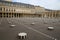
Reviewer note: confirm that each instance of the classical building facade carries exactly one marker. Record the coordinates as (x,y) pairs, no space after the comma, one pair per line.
(10,9)
(7,0)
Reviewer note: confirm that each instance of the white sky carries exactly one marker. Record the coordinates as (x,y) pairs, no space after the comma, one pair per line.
(49,4)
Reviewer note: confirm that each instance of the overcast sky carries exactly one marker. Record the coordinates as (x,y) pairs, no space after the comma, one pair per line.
(49,4)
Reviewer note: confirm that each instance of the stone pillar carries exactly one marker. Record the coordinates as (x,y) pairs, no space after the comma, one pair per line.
(18,15)
(55,14)
(59,14)
(11,15)
(42,15)
(45,15)
(8,15)
(52,14)
(49,15)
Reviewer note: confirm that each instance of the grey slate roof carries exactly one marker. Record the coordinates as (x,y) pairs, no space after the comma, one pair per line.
(19,4)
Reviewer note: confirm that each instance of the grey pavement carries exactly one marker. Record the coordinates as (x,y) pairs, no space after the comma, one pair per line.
(38,31)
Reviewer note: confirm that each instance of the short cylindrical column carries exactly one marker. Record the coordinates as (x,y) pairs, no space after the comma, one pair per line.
(22,35)
(50,28)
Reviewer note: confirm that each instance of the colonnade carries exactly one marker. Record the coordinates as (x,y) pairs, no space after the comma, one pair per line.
(10,15)
(42,15)
(50,14)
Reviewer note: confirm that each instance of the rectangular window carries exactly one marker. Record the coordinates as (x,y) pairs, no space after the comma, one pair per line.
(6,9)
(0,8)
(14,10)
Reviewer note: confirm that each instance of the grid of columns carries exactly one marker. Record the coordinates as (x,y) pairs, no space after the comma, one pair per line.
(9,15)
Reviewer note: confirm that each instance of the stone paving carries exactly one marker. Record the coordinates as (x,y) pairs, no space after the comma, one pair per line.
(38,31)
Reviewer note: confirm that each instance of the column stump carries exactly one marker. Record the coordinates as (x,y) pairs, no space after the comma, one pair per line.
(12,26)
(50,28)
(22,35)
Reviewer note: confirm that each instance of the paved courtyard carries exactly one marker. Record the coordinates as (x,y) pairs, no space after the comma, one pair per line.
(38,31)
